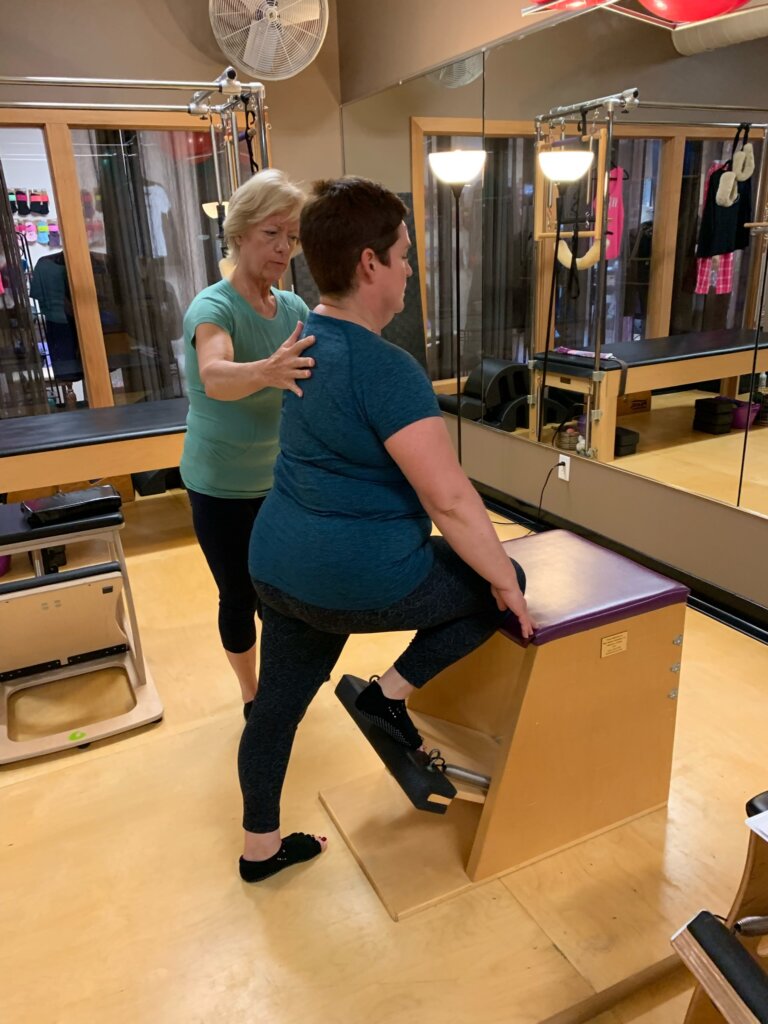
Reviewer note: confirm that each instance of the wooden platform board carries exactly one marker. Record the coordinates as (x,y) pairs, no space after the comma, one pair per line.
(413,860)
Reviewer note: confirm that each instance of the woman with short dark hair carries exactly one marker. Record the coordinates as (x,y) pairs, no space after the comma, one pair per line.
(366,466)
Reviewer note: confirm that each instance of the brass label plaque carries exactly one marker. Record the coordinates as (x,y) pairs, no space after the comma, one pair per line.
(614,644)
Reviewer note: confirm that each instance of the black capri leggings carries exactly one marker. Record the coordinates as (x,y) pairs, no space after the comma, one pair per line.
(453,612)
(223,528)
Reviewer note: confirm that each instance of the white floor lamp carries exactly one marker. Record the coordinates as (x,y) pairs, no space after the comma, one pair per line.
(457,167)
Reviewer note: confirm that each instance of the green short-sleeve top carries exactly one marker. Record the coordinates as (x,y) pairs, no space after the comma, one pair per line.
(230,447)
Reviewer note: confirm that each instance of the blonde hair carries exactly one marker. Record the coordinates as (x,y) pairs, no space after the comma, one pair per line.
(265,194)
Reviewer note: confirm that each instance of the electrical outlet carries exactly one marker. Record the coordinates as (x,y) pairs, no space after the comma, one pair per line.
(564,469)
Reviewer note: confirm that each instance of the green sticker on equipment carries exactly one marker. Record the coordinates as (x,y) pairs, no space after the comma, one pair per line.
(76,735)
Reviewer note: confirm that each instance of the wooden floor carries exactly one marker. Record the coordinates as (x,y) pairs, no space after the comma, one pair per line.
(119,895)
(670,451)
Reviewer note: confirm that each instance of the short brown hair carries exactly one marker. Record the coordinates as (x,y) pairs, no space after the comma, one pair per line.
(342,217)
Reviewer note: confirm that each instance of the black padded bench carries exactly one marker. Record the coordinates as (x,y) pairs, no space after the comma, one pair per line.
(648,365)
(87,444)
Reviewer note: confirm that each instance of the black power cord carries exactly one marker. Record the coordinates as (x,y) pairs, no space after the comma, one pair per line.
(557,465)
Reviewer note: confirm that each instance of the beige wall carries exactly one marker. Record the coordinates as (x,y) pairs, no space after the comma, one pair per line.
(168,39)
(602,53)
(704,538)
(377,141)
(382,42)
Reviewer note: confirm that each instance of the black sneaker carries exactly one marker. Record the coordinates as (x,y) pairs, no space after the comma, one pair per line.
(389,715)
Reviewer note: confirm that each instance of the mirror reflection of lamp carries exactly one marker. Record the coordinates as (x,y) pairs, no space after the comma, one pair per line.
(457,168)
(565,164)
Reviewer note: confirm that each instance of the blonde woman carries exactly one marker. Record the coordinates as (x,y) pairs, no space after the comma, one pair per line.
(243,350)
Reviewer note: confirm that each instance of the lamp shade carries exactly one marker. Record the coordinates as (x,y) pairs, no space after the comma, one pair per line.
(565,164)
(457,166)
(212,209)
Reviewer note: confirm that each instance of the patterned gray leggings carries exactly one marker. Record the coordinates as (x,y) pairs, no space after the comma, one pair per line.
(453,612)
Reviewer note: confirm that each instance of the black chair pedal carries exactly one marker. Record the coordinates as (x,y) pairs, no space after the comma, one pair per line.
(427,789)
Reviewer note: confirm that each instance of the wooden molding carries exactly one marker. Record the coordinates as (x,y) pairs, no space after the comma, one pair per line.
(664,248)
(66,187)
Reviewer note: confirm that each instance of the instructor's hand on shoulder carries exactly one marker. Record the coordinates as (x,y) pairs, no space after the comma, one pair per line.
(288,364)
(513,600)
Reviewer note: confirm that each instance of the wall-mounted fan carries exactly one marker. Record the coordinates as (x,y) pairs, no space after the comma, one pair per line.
(270,39)
(459,73)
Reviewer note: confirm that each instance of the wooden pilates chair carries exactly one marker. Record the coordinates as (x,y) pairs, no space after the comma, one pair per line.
(572,732)
(55,625)
(726,958)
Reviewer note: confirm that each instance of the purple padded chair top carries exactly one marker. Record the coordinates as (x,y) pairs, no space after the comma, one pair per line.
(574,585)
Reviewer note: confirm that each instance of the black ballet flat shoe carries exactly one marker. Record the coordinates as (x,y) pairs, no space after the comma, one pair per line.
(294,849)
(389,715)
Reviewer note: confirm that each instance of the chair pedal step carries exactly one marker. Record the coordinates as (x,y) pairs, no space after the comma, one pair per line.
(428,790)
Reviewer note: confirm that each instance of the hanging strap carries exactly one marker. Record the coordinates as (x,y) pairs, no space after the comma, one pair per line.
(743,127)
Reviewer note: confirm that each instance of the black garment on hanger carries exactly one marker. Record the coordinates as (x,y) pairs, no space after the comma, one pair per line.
(722,227)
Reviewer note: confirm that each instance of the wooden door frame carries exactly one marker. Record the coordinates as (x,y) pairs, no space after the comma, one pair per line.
(57,127)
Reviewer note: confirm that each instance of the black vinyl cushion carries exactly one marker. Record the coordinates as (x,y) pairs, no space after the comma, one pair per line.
(742,973)
(660,350)
(757,804)
(24,435)
(14,528)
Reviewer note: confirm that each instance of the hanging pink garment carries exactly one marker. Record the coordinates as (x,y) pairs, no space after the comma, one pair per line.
(615,213)
(724,280)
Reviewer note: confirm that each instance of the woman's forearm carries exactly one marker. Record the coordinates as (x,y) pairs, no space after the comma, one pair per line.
(229,381)
(465,525)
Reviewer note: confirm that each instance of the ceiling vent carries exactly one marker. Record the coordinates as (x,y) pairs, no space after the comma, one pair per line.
(739,27)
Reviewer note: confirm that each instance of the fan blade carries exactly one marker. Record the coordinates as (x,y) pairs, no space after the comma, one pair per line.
(298,12)
(261,46)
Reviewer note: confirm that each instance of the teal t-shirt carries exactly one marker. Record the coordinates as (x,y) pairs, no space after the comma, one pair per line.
(342,527)
(231,447)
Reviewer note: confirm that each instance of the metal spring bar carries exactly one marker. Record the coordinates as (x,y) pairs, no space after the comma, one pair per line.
(625,100)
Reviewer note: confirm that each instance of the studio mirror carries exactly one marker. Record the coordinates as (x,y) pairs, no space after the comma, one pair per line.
(676,397)
(388,137)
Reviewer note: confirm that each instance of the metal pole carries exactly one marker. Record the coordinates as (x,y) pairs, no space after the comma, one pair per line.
(235,135)
(262,123)
(216,172)
(643,123)
(602,269)
(31,105)
(761,234)
(536,395)
(698,106)
(625,99)
(126,83)
(760,204)
(457,190)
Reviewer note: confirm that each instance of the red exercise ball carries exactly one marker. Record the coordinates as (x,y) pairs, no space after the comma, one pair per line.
(683,11)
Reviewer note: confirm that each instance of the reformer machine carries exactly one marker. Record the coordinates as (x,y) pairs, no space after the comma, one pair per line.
(588,374)
(56,625)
